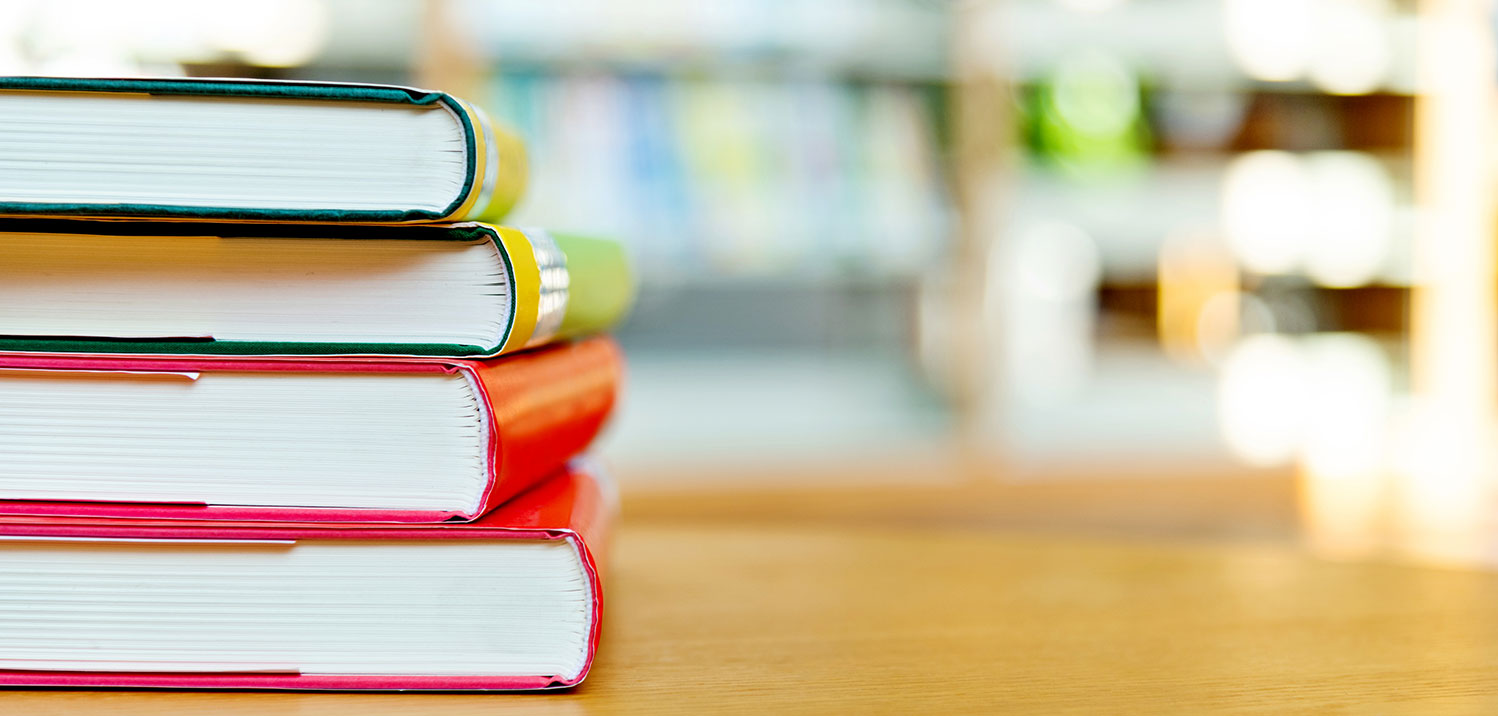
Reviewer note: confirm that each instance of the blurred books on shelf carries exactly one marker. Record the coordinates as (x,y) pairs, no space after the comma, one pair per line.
(880,38)
(858,190)
(719,177)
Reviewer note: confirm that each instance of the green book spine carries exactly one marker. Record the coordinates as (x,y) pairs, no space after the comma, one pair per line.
(601,286)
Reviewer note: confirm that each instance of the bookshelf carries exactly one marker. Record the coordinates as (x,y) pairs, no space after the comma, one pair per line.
(696,135)
(1191,182)
(781,171)
(842,182)
(784,164)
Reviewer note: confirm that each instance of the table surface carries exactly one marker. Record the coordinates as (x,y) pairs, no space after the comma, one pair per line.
(827,602)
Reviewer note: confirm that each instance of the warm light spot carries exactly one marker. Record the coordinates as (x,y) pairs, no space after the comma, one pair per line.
(1197,297)
(1447,478)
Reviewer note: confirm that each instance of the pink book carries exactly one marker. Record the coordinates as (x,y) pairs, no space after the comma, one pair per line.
(509,602)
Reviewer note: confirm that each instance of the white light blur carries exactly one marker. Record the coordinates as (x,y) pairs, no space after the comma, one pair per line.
(1262,395)
(1353,52)
(104,37)
(66,29)
(12,63)
(14,16)
(1044,278)
(14,19)
(272,33)
(1267,210)
(174,30)
(1351,385)
(1347,446)
(1089,7)
(1270,39)
(1353,230)
(1054,261)
(1325,398)
(88,64)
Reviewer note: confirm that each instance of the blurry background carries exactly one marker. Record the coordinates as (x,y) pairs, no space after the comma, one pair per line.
(919,241)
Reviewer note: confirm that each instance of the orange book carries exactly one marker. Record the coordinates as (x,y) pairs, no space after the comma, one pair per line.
(346,439)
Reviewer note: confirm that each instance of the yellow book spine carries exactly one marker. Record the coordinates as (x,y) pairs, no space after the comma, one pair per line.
(527,287)
(500,170)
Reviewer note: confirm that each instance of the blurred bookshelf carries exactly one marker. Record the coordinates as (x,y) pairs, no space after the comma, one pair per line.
(1029,232)
(780,170)
(1188,187)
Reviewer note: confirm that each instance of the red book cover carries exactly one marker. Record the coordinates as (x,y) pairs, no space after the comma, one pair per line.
(542,408)
(573,506)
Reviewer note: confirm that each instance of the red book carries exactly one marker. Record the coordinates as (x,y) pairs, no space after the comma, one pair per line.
(293,439)
(511,601)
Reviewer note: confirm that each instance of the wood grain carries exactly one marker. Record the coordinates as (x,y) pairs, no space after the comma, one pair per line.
(824,612)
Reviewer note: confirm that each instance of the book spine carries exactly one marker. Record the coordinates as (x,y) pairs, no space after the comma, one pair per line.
(565,286)
(545,408)
(501,171)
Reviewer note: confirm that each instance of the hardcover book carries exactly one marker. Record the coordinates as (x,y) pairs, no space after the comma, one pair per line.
(189,288)
(250,150)
(335,439)
(509,602)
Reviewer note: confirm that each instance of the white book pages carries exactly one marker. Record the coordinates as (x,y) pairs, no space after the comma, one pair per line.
(408,441)
(442,606)
(69,148)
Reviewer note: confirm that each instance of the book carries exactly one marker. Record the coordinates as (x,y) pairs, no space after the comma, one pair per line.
(250,150)
(335,439)
(190,288)
(509,602)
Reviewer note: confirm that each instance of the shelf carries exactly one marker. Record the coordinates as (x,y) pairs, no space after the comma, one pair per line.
(1130,215)
(878,39)
(1180,44)
(1132,309)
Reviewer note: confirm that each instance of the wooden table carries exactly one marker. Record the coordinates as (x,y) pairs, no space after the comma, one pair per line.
(830,604)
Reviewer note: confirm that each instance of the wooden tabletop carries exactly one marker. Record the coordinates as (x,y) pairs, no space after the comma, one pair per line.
(831,606)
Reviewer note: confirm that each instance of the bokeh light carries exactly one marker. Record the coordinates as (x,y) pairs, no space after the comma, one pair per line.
(1267,210)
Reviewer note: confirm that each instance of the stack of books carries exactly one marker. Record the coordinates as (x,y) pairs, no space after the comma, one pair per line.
(276,410)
